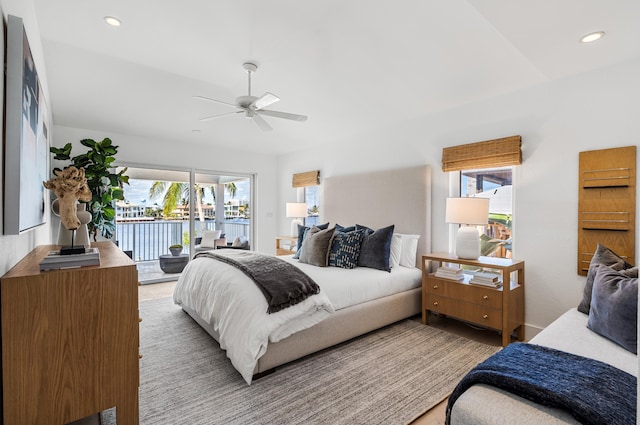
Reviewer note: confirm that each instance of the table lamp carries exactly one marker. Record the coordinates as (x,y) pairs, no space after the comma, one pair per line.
(468,212)
(296,210)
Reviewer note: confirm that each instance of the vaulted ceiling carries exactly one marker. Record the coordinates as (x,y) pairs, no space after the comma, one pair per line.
(351,66)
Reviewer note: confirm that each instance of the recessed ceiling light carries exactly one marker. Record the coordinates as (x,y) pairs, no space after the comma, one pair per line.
(115,22)
(592,37)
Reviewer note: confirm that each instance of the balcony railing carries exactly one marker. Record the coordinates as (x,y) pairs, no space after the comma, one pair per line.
(147,240)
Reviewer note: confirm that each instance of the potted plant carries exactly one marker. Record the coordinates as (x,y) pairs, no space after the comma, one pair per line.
(175,249)
(105,186)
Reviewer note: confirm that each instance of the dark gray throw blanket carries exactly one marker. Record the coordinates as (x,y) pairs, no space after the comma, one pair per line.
(592,391)
(282,284)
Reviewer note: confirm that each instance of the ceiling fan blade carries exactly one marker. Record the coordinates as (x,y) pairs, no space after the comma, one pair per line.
(215,101)
(285,115)
(264,101)
(220,115)
(264,126)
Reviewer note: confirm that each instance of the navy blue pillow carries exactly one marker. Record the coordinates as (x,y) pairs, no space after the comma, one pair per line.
(345,229)
(345,249)
(376,248)
(302,232)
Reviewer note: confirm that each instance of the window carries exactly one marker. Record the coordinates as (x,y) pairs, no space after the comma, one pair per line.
(311,198)
(495,184)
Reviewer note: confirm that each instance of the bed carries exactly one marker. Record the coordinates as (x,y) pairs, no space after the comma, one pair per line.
(483,404)
(351,302)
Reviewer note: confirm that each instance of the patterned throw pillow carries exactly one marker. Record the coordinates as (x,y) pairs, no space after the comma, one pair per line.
(345,249)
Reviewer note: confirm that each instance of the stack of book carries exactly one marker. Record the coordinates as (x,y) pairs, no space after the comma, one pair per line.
(445,272)
(486,279)
(54,260)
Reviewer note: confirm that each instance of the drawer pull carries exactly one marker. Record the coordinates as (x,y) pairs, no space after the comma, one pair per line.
(485,316)
(139,356)
(435,286)
(486,297)
(435,303)
(139,319)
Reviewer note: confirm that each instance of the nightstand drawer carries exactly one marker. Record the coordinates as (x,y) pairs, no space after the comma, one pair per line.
(487,297)
(479,314)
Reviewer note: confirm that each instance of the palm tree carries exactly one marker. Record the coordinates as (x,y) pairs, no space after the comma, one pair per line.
(231,189)
(173,192)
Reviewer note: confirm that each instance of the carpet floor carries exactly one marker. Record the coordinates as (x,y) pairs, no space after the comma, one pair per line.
(389,376)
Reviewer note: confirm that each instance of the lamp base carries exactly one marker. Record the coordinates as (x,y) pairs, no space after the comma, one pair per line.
(294,227)
(468,243)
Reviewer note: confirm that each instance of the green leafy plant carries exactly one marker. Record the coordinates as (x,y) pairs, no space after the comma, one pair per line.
(105,186)
(177,245)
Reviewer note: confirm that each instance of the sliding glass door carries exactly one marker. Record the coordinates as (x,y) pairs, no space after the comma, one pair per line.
(165,207)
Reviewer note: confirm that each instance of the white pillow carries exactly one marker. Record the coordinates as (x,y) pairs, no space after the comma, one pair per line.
(209,238)
(396,250)
(240,242)
(409,247)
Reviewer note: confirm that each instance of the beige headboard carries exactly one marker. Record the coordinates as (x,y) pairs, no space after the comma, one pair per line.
(378,199)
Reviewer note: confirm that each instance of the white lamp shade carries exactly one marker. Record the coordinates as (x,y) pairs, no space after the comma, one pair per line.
(474,211)
(296,209)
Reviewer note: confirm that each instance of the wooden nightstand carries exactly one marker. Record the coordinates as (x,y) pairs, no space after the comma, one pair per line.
(501,309)
(286,245)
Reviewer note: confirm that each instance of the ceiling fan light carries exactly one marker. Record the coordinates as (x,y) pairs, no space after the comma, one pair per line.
(114,22)
(591,37)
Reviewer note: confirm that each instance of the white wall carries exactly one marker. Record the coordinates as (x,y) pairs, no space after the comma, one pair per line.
(556,121)
(140,151)
(14,247)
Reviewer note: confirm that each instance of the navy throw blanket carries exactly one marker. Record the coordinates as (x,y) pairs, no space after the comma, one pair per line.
(281,283)
(592,391)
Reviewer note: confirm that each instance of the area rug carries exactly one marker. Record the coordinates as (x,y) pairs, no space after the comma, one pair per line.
(390,376)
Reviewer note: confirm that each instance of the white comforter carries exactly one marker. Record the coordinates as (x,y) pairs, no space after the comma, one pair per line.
(235,307)
(232,303)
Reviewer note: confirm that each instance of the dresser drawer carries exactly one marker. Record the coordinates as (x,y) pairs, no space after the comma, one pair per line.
(474,313)
(487,297)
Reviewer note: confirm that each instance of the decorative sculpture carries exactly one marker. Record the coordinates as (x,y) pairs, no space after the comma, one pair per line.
(70,186)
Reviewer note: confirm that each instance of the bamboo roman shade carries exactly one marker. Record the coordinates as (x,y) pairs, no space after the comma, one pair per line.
(488,154)
(309,178)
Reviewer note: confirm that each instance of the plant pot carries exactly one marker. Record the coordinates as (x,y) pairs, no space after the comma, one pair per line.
(175,251)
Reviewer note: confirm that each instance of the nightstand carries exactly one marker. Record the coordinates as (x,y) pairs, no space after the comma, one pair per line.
(286,245)
(501,308)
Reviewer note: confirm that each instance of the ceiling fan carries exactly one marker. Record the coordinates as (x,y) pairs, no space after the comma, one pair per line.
(253,107)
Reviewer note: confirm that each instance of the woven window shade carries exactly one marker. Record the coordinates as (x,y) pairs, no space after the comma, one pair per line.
(487,154)
(309,178)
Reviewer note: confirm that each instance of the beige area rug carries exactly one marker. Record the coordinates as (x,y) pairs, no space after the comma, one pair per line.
(389,376)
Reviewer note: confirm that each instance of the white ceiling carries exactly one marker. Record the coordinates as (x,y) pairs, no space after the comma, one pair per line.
(351,66)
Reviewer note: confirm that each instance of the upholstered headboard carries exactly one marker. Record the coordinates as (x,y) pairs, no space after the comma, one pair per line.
(378,199)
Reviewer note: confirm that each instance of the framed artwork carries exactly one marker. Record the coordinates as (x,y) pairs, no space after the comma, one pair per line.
(26,136)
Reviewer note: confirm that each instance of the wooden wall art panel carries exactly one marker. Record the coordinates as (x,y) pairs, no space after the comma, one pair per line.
(606,203)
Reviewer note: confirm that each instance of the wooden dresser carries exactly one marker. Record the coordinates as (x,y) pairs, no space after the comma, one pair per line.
(70,340)
(501,309)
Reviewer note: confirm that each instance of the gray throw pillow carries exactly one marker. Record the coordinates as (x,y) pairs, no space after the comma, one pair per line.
(603,256)
(315,247)
(614,307)
(302,232)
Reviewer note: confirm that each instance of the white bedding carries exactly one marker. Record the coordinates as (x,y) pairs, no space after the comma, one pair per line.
(232,303)
(354,286)
(486,405)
